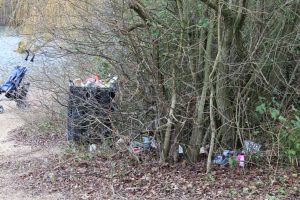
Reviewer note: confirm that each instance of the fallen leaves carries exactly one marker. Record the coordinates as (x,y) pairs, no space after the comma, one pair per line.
(89,175)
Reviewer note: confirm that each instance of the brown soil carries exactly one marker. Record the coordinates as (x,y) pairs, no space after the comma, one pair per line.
(30,171)
(13,158)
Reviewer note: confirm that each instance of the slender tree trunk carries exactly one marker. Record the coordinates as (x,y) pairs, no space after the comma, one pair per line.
(223,92)
(197,134)
(213,129)
(212,93)
(167,137)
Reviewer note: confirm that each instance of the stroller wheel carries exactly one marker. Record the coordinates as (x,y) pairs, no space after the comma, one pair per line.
(1,109)
(21,104)
(21,96)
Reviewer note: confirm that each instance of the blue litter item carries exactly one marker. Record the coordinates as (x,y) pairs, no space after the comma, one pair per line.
(226,153)
(220,159)
(147,142)
(14,80)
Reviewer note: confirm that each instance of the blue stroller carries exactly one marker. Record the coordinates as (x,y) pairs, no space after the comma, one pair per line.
(12,88)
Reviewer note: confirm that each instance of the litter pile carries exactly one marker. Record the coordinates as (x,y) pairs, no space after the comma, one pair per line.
(89,108)
(237,157)
(95,81)
(147,143)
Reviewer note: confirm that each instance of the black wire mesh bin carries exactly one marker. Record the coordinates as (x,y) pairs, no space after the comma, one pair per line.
(89,113)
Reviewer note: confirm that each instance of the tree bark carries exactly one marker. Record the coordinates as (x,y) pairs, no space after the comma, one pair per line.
(167,137)
(212,93)
(197,134)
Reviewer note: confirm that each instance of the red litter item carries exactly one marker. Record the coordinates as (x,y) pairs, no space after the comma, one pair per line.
(136,150)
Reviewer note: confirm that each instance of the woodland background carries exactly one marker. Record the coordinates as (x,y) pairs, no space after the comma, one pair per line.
(196,73)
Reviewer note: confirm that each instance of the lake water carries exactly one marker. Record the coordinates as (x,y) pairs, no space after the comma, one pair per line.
(8,57)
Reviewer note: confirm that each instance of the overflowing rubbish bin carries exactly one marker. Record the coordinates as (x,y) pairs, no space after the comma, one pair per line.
(89,113)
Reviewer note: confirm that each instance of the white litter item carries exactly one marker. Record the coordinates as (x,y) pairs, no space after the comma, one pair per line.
(154,144)
(92,148)
(180,149)
(113,79)
(242,161)
(78,82)
(251,147)
(203,150)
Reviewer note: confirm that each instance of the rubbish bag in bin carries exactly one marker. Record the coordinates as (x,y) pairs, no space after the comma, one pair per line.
(89,111)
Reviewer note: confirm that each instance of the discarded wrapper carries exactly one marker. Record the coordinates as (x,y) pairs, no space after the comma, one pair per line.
(251,147)
(241,159)
(92,147)
(78,82)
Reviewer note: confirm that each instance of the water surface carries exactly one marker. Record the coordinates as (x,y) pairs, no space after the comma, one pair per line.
(8,57)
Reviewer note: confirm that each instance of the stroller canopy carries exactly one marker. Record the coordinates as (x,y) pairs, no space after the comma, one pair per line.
(14,80)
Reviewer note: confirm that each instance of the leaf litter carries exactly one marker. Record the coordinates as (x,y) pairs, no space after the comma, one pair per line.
(80,174)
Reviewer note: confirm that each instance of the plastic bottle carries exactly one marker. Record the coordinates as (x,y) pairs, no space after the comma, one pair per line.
(242,160)
(147,142)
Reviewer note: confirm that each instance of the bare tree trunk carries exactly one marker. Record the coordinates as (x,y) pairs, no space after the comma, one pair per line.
(222,89)
(167,137)
(197,134)
(213,129)
(212,93)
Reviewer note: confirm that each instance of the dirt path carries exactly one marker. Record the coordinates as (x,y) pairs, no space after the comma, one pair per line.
(11,155)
